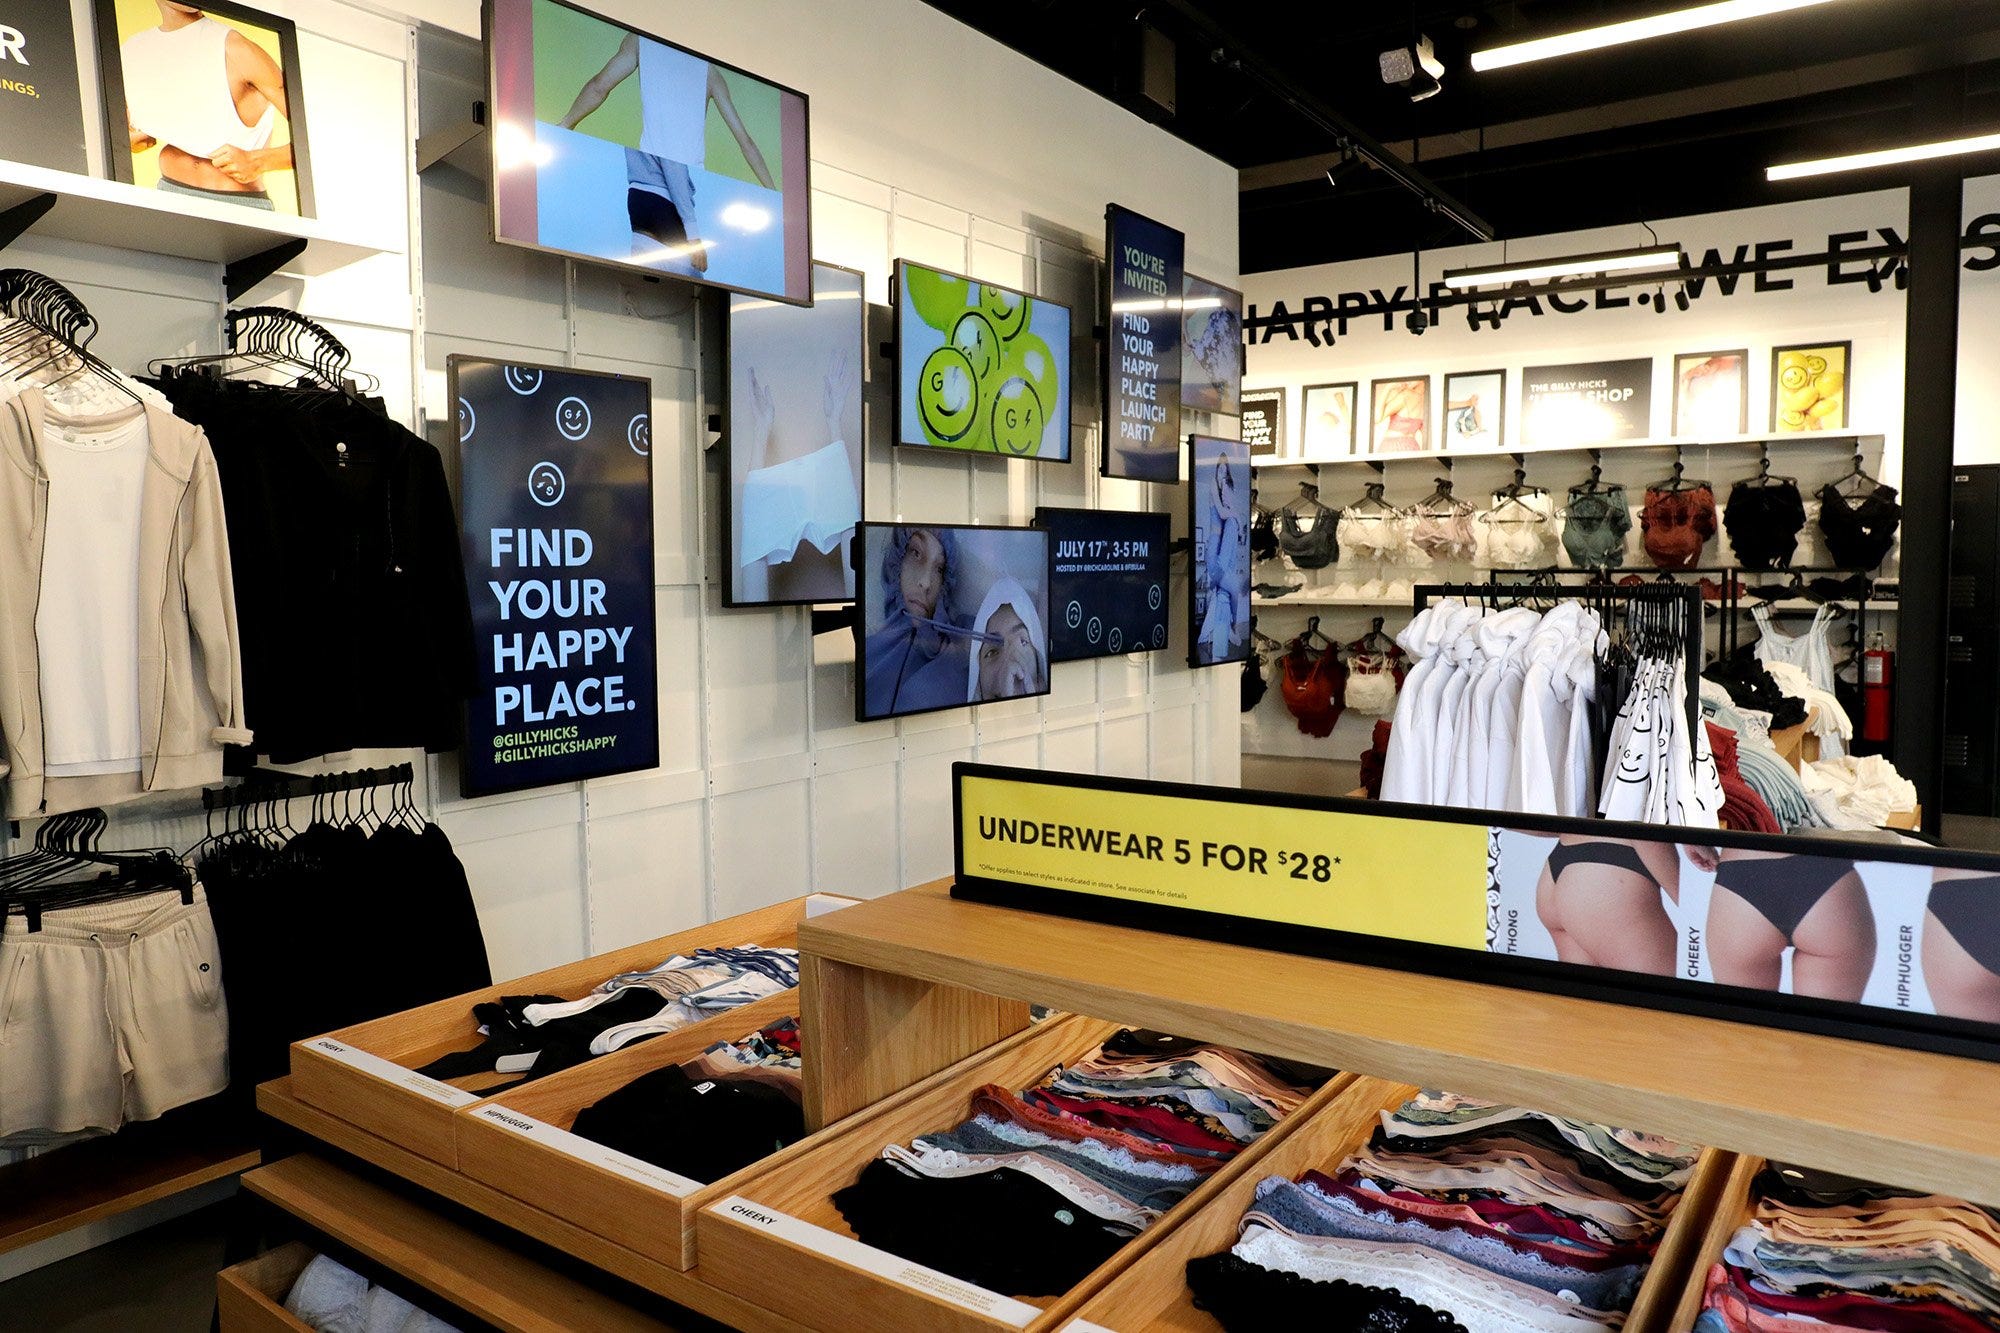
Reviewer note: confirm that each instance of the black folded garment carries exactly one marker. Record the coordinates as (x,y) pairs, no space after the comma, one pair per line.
(1002,1230)
(1275,589)
(1248,1298)
(1751,686)
(703,1130)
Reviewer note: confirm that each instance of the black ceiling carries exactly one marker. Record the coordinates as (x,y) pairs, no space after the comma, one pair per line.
(1657,129)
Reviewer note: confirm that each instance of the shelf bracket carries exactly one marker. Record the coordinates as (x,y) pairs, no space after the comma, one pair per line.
(22,216)
(250,270)
(438,145)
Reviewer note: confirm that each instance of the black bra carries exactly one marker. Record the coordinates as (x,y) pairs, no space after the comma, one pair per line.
(1263,536)
(1859,532)
(1310,550)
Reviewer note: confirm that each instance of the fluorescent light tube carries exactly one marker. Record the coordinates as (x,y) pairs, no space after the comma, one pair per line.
(1916,152)
(1574,266)
(1633,30)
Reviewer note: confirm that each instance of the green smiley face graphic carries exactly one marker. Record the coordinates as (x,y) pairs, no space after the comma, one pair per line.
(947,396)
(974,335)
(1008,311)
(1018,419)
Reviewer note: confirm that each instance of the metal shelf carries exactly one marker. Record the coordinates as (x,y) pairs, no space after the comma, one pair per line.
(1854,440)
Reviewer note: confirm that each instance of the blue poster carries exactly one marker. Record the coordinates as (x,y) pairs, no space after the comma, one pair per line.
(556,518)
(1142,347)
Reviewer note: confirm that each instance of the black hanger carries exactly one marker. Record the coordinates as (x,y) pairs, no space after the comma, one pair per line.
(1441,496)
(53,314)
(1374,641)
(1678,481)
(1765,477)
(1856,477)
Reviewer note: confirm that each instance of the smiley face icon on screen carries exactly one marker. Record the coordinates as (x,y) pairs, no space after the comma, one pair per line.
(573,418)
(1008,310)
(1017,419)
(1095,631)
(1074,615)
(947,396)
(468,420)
(1159,636)
(1153,598)
(975,336)
(546,483)
(522,380)
(639,434)
(1116,643)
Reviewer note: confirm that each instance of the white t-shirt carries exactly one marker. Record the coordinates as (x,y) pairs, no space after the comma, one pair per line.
(87,623)
(673,103)
(177,89)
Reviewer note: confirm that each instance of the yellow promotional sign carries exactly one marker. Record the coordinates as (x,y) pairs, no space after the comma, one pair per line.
(1369,874)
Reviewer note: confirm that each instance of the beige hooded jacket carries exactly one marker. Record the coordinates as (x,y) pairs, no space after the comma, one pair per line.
(190,673)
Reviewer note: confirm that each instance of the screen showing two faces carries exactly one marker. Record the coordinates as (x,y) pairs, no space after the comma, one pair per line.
(980,368)
(950,616)
(1220,521)
(610,144)
(795,468)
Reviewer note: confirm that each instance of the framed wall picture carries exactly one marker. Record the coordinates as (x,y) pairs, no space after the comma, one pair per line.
(1475,410)
(205,103)
(1263,418)
(41,102)
(1399,415)
(793,483)
(1809,387)
(1586,403)
(1711,393)
(1327,411)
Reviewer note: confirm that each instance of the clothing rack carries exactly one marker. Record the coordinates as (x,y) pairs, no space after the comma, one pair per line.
(1607,595)
(264,785)
(1729,575)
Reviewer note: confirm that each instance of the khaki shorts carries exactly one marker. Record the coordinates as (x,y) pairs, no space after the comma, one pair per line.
(108,1014)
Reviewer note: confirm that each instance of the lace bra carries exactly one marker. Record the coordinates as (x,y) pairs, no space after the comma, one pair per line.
(1313,548)
(1859,532)
(1445,534)
(1239,1292)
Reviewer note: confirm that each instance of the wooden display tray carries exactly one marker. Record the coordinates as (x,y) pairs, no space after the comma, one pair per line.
(250,1296)
(499,1284)
(1868,1110)
(366,1074)
(519,1143)
(1730,1211)
(784,1222)
(1152,1296)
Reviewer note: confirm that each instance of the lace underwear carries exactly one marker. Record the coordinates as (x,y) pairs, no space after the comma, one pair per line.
(1374,534)
(1445,536)
(1312,548)
(1371,684)
(1763,523)
(1677,524)
(1481,1302)
(1515,537)
(1080,1190)
(1594,527)
(1858,532)
(810,499)
(1244,1296)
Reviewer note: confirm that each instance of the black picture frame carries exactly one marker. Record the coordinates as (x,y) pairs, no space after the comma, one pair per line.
(111,91)
(1194,555)
(1742,355)
(493,158)
(1833,1018)
(1164,535)
(727,558)
(1306,393)
(1271,402)
(898,433)
(1846,347)
(1499,408)
(862,572)
(1375,387)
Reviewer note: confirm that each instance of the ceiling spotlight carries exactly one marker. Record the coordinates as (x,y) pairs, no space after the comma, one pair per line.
(1681,297)
(1341,170)
(1414,68)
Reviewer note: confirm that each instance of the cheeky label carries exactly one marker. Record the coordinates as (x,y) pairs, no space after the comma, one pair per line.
(583,1150)
(844,1249)
(1084,1326)
(391,1072)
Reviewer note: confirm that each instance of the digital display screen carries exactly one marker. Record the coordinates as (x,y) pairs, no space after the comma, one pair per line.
(1211,347)
(1219,519)
(612,145)
(949,615)
(1107,581)
(794,482)
(1142,347)
(980,368)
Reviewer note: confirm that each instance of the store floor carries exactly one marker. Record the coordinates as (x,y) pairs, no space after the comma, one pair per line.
(161,1280)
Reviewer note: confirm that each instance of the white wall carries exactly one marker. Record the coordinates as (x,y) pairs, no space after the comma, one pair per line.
(1812,311)
(767,788)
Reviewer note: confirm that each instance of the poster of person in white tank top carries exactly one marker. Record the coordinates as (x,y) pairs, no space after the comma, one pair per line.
(209,97)
(675,90)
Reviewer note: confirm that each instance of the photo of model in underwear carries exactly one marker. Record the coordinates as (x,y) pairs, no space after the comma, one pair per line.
(1600,900)
(1764,903)
(1962,944)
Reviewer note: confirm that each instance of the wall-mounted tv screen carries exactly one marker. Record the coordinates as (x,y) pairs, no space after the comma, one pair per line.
(949,615)
(1107,581)
(794,480)
(1219,519)
(610,144)
(1211,347)
(980,368)
(1142,347)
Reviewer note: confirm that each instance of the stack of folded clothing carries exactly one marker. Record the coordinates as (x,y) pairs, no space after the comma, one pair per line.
(1040,1187)
(734,1104)
(1459,1214)
(1825,1252)
(536,1035)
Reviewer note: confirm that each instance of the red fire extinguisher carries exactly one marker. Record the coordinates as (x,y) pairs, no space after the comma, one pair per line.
(1878,674)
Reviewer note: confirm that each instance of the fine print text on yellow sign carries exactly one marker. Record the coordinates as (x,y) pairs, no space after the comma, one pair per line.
(1370,874)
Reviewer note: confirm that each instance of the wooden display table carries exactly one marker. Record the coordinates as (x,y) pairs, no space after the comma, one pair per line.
(882,985)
